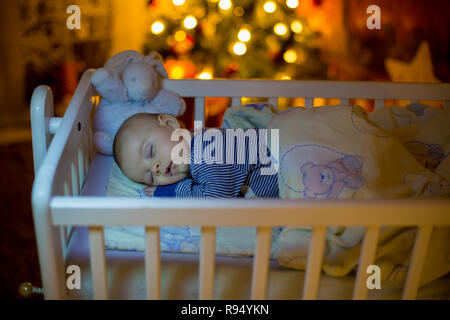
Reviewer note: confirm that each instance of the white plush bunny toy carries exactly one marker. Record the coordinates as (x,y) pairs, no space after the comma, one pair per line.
(130,83)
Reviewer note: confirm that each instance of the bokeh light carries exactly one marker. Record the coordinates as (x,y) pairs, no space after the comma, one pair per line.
(157,27)
(190,22)
(244,35)
(239,48)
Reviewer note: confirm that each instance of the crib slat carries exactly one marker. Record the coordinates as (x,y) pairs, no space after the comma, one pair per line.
(81,163)
(207,256)
(68,191)
(314,265)
(98,262)
(261,263)
(66,230)
(345,101)
(447,105)
(199,113)
(90,145)
(153,263)
(416,263)
(75,177)
(86,151)
(274,102)
(368,250)
(309,102)
(379,103)
(236,101)
(64,238)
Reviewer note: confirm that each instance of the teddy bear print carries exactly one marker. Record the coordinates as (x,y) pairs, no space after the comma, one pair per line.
(328,180)
(179,239)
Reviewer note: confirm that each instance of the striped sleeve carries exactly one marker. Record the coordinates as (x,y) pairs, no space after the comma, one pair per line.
(213,181)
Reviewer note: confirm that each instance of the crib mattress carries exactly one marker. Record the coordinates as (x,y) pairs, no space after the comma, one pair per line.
(179,271)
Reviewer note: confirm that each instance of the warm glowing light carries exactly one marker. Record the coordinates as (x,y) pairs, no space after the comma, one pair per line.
(296,26)
(280,29)
(180,35)
(225,4)
(290,56)
(270,6)
(157,27)
(176,72)
(239,48)
(292,3)
(205,75)
(178,2)
(285,78)
(244,35)
(190,22)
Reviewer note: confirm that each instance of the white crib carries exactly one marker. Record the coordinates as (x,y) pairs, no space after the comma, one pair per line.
(63,154)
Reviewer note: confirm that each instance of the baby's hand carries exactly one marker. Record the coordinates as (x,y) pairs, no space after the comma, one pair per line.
(149,190)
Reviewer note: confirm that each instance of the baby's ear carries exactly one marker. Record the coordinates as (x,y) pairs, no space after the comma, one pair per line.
(168,120)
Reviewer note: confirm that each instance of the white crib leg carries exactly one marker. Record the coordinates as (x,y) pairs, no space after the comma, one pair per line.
(368,250)
(207,256)
(51,260)
(153,263)
(261,263)
(314,266)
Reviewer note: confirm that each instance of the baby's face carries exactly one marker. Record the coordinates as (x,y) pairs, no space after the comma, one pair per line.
(146,152)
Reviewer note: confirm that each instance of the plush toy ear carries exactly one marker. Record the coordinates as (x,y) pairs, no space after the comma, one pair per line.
(121,60)
(155,60)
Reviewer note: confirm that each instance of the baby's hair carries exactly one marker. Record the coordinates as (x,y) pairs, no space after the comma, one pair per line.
(125,125)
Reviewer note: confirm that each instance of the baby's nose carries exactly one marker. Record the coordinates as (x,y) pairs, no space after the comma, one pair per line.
(155,169)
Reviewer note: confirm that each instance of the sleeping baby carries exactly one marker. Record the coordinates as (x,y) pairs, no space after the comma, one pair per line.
(208,163)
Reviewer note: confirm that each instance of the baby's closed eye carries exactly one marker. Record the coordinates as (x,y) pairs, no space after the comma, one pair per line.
(149,150)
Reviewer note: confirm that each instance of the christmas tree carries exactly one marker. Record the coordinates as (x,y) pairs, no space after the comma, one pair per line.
(233,39)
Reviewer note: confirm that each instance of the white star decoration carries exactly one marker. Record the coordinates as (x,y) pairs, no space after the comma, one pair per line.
(419,69)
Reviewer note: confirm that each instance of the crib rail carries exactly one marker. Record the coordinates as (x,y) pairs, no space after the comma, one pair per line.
(262,214)
(274,89)
(97,211)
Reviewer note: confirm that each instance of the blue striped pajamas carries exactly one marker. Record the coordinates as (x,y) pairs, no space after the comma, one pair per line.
(219,174)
